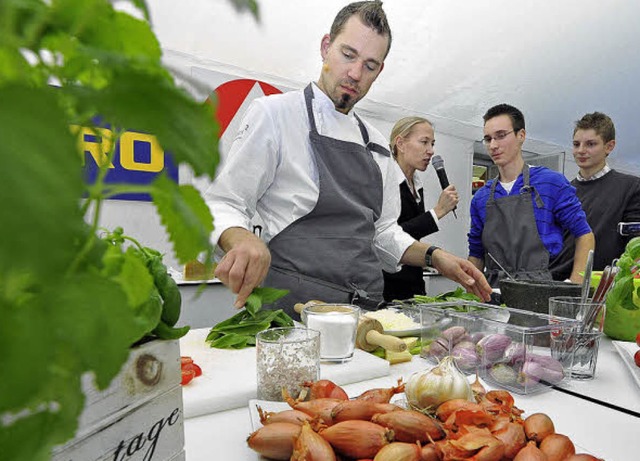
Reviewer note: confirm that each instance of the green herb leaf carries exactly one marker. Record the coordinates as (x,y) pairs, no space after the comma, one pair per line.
(186,217)
(250,321)
(269,295)
(253,304)
(230,341)
(32,128)
(151,104)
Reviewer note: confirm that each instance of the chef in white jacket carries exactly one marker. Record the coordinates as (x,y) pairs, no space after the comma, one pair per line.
(321,180)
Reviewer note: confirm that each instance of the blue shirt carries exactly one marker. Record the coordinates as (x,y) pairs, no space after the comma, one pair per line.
(562,210)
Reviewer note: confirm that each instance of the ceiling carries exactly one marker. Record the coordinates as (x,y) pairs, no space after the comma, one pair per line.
(555,60)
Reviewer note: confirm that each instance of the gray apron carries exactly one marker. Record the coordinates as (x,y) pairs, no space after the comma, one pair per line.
(328,254)
(511,235)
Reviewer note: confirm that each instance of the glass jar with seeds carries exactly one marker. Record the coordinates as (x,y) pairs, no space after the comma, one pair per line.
(286,357)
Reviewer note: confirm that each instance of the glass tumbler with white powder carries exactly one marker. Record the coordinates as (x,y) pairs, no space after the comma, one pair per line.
(337,324)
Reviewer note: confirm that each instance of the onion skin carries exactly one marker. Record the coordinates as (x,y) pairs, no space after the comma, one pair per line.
(286,416)
(325,389)
(310,446)
(450,406)
(538,426)
(357,439)
(476,446)
(410,426)
(512,435)
(275,440)
(531,453)
(399,451)
(557,447)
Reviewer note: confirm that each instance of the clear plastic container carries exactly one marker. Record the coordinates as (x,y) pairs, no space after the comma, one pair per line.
(507,347)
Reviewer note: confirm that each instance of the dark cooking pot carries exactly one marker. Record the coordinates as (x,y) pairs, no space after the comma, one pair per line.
(534,295)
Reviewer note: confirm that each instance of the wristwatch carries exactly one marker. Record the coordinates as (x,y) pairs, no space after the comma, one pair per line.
(428,256)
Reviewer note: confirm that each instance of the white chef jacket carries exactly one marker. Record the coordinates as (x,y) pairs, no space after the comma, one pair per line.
(270,170)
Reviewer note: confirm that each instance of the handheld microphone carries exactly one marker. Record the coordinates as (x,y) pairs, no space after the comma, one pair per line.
(438,165)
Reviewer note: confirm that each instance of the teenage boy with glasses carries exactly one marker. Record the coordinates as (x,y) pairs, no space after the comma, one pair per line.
(518,218)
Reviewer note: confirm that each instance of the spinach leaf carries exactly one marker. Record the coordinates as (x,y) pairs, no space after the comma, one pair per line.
(239,331)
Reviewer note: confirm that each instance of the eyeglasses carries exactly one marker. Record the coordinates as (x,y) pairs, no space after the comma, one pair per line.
(499,136)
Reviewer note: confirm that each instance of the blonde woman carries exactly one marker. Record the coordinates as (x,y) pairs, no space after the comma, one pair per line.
(412,140)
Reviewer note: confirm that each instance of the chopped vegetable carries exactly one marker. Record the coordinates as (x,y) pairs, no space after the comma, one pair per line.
(189,370)
(398,357)
(392,320)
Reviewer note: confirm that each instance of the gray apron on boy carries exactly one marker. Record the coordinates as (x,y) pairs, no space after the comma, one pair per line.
(328,254)
(511,235)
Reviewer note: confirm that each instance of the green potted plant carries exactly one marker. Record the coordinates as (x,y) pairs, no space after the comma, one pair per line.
(71,300)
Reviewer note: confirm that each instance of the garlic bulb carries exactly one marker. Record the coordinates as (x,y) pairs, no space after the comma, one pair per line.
(427,389)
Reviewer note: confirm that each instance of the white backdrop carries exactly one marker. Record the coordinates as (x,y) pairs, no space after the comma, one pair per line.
(554,59)
(450,61)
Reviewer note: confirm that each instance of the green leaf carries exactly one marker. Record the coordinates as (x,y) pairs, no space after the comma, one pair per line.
(251,5)
(26,334)
(237,318)
(247,328)
(36,144)
(186,217)
(282,319)
(151,104)
(142,6)
(269,295)
(253,304)
(94,320)
(230,341)
(134,278)
(13,66)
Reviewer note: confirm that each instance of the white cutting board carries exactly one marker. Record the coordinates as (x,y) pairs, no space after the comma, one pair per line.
(228,378)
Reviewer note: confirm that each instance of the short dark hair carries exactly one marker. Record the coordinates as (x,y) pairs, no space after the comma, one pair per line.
(600,123)
(517,119)
(370,13)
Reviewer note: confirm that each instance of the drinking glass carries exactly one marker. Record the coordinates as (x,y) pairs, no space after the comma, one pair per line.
(337,324)
(285,358)
(577,349)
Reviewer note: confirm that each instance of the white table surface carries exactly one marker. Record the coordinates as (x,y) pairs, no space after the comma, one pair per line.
(595,428)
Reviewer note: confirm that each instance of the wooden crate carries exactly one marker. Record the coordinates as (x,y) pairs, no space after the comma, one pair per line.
(152,369)
(153,431)
(138,417)
(182,456)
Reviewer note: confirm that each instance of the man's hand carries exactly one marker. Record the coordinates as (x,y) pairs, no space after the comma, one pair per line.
(245,263)
(462,271)
(447,201)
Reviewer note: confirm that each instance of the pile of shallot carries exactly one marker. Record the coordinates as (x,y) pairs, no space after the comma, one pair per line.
(329,426)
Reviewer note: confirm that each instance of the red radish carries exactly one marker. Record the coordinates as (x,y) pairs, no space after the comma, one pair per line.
(636,358)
